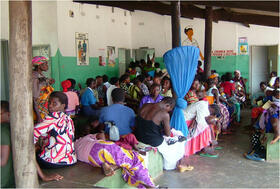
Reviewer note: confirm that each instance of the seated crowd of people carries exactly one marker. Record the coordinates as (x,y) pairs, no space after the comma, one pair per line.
(264,117)
(130,115)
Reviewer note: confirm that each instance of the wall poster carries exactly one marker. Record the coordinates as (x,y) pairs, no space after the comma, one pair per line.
(243,46)
(102,57)
(111,56)
(82,49)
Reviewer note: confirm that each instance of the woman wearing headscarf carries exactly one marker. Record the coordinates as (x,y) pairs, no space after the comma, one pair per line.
(41,87)
(73,98)
(238,78)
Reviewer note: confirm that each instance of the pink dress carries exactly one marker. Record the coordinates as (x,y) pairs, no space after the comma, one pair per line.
(202,136)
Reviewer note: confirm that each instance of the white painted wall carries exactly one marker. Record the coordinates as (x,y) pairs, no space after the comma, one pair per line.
(44,23)
(102,31)
(52,25)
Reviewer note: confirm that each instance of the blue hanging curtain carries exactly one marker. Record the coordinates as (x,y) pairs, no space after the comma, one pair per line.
(181,64)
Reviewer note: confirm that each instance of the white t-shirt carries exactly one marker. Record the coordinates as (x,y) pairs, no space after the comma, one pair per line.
(199,110)
(109,94)
(188,42)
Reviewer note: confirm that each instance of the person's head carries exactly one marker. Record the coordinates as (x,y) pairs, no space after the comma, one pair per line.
(273,74)
(223,78)
(237,74)
(66,85)
(114,81)
(195,85)
(215,78)
(276,83)
(276,93)
(125,79)
(73,83)
(141,78)
(155,90)
(168,103)
(228,76)
(58,102)
(91,83)
(40,63)
(221,90)
(118,95)
(201,94)
(210,82)
(105,78)
(263,86)
(147,77)
(199,64)
(157,79)
(99,80)
(188,31)
(214,110)
(213,72)
(157,65)
(137,82)
(5,112)
(166,83)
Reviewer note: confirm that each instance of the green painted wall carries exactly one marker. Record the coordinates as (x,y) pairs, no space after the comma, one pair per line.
(231,63)
(64,67)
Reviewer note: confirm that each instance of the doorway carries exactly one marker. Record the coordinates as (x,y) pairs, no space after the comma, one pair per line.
(264,59)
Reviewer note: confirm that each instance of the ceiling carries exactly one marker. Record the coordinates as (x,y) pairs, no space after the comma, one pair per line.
(264,13)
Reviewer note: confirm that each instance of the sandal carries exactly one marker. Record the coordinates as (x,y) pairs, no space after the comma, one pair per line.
(218,148)
(209,155)
(182,169)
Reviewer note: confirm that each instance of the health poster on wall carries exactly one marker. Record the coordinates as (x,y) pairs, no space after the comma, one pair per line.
(243,46)
(111,56)
(82,49)
(102,57)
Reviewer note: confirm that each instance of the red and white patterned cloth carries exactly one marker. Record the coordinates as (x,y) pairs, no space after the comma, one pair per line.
(58,132)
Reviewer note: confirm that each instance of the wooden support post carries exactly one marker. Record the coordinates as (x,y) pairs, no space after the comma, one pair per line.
(208,41)
(175,19)
(21,94)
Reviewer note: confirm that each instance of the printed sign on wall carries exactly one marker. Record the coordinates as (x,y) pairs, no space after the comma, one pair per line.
(102,57)
(111,55)
(243,46)
(82,49)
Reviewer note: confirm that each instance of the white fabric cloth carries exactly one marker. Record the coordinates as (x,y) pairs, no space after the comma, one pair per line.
(198,110)
(209,92)
(188,42)
(272,81)
(172,153)
(109,94)
(107,84)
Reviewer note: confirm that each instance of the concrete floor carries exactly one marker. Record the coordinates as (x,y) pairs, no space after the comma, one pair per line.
(229,170)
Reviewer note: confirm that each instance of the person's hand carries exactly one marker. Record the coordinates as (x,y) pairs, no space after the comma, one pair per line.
(52,177)
(39,119)
(51,81)
(79,85)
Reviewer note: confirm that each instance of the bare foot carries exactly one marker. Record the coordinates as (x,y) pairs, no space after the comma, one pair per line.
(275,140)
(107,169)
(52,177)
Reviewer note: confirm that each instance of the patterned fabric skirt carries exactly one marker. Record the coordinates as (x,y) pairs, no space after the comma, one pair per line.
(134,171)
(200,139)
(224,119)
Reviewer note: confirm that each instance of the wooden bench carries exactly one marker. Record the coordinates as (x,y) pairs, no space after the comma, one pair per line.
(83,175)
(272,150)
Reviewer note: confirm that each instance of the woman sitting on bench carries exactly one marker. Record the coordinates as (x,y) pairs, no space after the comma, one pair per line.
(94,150)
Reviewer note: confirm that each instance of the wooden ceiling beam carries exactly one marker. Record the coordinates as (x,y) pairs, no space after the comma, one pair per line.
(264,20)
(189,10)
(271,6)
